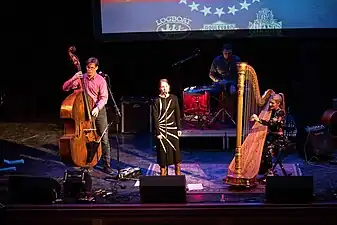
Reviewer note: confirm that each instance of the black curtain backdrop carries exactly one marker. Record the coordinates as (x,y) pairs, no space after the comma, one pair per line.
(39,34)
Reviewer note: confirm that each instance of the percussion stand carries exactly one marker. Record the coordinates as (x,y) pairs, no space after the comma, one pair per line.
(222,111)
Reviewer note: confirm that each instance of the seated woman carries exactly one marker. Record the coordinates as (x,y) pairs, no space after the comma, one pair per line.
(276,141)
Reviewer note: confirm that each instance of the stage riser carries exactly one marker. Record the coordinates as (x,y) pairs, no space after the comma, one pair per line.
(203,143)
(177,215)
(184,221)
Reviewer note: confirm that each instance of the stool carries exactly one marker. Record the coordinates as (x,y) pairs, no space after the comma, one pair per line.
(279,161)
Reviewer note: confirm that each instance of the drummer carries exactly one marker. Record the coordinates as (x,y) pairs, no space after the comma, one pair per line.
(224,71)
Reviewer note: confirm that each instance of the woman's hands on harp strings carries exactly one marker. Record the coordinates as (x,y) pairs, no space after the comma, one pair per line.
(254,117)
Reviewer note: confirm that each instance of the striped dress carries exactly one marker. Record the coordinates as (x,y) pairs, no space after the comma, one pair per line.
(166,115)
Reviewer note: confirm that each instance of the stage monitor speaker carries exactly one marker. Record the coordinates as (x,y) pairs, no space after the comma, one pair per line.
(289,189)
(136,115)
(163,189)
(33,190)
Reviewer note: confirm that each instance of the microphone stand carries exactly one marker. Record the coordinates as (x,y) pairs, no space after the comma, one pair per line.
(118,119)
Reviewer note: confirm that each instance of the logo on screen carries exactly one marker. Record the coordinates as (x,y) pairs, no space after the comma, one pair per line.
(265,24)
(173,27)
(219,28)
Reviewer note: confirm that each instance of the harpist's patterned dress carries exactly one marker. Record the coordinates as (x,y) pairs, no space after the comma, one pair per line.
(166,115)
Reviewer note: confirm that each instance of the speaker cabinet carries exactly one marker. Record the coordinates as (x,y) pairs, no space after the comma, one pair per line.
(136,115)
(320,142)
(163,189)
(296,189)
(33,190)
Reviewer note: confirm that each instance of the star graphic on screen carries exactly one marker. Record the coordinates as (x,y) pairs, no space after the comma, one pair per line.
(219,12)
(244,5)
(206,10)
(232,10)
(194,6)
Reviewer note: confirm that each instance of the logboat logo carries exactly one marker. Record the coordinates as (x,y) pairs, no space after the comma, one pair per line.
(173,27)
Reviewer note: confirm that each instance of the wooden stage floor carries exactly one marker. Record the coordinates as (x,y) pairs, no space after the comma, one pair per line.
(36,144)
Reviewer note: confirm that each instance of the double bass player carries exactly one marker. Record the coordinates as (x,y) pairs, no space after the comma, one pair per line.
(96,88)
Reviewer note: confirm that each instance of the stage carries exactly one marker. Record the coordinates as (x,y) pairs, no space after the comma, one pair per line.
(36,144)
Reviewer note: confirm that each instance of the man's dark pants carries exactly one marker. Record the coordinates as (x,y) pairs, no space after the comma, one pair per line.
(101,124)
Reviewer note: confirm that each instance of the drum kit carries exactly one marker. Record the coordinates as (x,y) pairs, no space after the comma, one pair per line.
(197,101)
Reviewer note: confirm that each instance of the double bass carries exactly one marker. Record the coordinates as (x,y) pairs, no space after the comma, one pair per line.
(80,145)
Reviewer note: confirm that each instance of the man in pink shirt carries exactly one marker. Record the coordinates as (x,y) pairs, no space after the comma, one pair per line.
(96,87)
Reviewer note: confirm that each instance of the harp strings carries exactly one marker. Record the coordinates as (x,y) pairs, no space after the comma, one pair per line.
(250,104)
(245,108)
(246,105)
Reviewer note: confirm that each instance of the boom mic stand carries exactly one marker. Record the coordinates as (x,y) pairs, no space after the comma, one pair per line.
(177,66)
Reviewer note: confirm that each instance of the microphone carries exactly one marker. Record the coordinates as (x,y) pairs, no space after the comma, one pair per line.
(196,51)
(103,74)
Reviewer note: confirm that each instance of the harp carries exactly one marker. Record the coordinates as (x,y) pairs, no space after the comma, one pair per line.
(244,168)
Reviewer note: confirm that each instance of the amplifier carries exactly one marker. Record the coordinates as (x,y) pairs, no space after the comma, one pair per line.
(136,115)
(319,141)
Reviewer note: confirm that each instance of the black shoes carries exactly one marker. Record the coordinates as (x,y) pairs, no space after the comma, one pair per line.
(108,170)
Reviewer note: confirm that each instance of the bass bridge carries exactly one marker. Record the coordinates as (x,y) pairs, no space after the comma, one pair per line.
(88,130)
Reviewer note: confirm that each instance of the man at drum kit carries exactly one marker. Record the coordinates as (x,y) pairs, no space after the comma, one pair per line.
(223,73)
(224,70)
(97,89)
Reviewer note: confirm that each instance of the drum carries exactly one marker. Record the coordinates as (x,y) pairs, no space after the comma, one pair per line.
(196,100)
